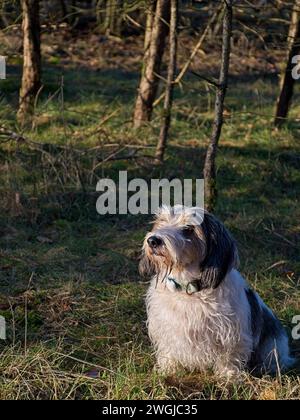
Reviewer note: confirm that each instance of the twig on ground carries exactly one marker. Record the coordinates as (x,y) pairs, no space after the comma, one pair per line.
(280,236)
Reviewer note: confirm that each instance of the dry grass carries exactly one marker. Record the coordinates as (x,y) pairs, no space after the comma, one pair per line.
(90,343)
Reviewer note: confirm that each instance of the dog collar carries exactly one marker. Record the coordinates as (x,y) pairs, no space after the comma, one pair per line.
(191,288)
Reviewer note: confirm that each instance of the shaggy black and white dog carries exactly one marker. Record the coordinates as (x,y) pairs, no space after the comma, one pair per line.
(202,314)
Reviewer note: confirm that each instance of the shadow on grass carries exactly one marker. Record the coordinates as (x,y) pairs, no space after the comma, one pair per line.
(79,83)
(61,232)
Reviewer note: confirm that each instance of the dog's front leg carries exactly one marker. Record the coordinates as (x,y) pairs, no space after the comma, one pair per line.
(165,364)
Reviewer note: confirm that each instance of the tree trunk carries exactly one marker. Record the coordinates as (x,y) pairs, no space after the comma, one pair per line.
(210,160)
(150,13)
(4,22)
(31,78)
(64,11)
(287,81)
(163,135)
(151,65)
(112,19)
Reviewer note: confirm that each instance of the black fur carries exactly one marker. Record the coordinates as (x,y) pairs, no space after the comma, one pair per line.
(220,255)
(256,315)
(265,326)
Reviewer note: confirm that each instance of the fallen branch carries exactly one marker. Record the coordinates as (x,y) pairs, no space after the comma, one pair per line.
(49,147)
(63,161)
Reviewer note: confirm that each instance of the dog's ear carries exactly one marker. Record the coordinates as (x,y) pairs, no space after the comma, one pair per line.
(146,266)
(221,253)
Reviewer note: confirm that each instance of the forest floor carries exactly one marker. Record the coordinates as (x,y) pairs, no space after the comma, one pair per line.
(69,285)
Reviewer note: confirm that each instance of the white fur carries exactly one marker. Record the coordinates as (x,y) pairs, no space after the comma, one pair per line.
(210,329)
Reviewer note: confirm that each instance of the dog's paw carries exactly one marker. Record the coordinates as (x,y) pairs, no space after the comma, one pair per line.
(165,366)
(230,374)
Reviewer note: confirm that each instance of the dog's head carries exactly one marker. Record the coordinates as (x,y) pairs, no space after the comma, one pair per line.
(189,239)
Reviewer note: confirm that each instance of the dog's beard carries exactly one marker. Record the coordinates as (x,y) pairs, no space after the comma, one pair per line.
(178,258)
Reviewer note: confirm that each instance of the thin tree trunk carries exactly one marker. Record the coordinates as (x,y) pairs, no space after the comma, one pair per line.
(73,14)
(151,66)
(4,22)
(287,81)
(31,78)
(210,160)
(64,11)
(192,56)
(163,135)
(150,13)
(112,18)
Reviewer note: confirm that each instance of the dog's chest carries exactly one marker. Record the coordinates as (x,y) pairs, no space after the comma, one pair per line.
(190,325)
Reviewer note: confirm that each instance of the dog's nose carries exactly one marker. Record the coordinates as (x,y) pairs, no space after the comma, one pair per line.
(154,241)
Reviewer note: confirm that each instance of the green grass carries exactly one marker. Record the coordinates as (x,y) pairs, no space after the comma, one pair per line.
(69,286)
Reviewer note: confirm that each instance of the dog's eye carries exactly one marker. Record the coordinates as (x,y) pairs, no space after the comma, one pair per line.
(187,231)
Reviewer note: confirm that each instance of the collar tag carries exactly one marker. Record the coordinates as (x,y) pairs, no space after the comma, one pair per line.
(192,287)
